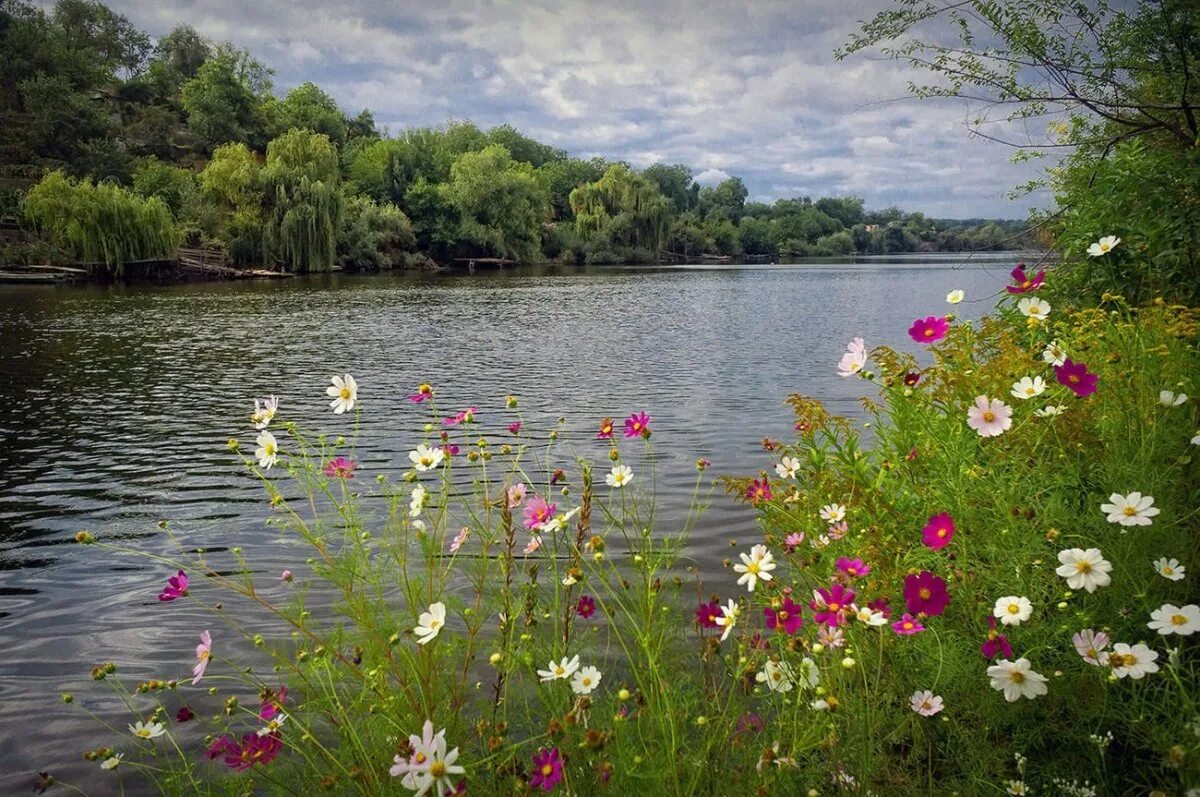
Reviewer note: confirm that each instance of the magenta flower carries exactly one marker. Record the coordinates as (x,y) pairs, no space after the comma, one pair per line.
(759,490)
(1023,283)
(538,511)
(881,605)
(203,654)
(637,425)
(1076,377)
(466,416)
(547,769)
(925,593)
(586,606)
(253,749)
(938,531)
(907,626)
(787,618)
(830,604)
(793,541)
(514,428)
(606,429)
(450,449)
(758,642)
(852,567)
(995,643)
(272,703)
(185,714)
(707,614)
(340,468)
(750,723)
(423,392)
(177,587)
(286,575)
(928,329)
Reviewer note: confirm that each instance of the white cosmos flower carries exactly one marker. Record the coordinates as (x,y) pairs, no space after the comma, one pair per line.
(1170,568)
(273,725)
(419,494)
(1032,307)
(344,391)
(1012,610)
(1016,679)
(869,616)
(1053,354)
(1132,661)
(787,467)
(810,674)
(728,618)
(1051,411)
(264,411)
(855,358)
(562,670)
(1028,387)
(954,297)
(619,476)
(585,680)
(757,565)
(1169,399)
(112,761)
(429,765)
(833,513)
(430,623)
(425,458)
(925,703)
(1134,509)
(267,451)
(1103,246)
(989,417)
(147,730)
(1084,569)
(777,675)
(1196,438)
(1171,619)
(558,522)
(1017,788)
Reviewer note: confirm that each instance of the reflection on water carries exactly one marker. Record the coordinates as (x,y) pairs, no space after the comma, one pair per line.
(116,403)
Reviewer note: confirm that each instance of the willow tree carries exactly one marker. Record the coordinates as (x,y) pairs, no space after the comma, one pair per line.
(625,206)
(501,203)
(303,202)
(101,223)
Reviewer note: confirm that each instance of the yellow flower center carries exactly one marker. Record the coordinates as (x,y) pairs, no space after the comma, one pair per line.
(929,332)
(434,623)
(1104,247)
(941,533)
(547,770)
(1029,391)
(989,416)
(204,655)
(1178,619)
(1083,567)
(420,758)
(1168,571)
(426,460)
(1073,379)
(1121,660)
(1018,677)
(1026,283)
(908,626)
(833,607)
(586,681)
(344,393)
(437,769)
(925,593)
(1129,511)
(1014,608)
(752,567)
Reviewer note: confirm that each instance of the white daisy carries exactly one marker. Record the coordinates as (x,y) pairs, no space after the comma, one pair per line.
(267,452)
(1132,661)
(1170,568)
(1016,679)
(955,296)
(1134,509)
(787,467)
(1084,569)
(1171,619)
(833,513)
(777,675)
(1103,246)
(1032,307)
(430,623)
(585,680)
(425,458)
(147,730)
(1012,610)
(1053,354)
(344,391)
(757,565)
(1028,387)
(619,476)
(428,765)
(1169,399)
(728,618)
(854,359)
(560,671)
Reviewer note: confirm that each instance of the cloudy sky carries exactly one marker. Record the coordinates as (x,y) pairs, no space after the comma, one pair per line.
(747,88)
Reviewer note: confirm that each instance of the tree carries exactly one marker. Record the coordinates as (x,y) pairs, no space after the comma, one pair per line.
(523,148)
(727,198)
(502,205)
(303,201)
(183,51)
(373,236)
(93,31)
(173,185)
(310,108)
(847,209)
(624,207)
(757,237)
(220,104)
(675,183)
(232,176)
(563,176)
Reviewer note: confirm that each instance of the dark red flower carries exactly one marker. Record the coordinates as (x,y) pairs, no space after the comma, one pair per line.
(707,614)
(787,618)
(1076,377)
(912,378)
(185,714)
(586,606)
(995,643)
(925,593)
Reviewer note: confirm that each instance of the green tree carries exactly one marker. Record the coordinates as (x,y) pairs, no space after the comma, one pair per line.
(522,147)
(728,198)
(303,202)
(563,176)
(502,205)
(373,236)
(173,185)
(624,207)
(310,108)
(675,183)
(232,176)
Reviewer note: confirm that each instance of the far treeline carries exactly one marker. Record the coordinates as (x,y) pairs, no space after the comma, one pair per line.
(117,147)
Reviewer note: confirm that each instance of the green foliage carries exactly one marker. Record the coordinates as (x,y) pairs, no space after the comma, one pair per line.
(221,102)
(171,184)
(306,106)
(373,236)
(727,198)
(501,204)
(564,176)
(625,207)
(303,202)
(232,177)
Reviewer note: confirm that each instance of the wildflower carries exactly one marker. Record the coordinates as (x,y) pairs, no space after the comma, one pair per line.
(417,501)
(558,522)
(585,680)
(1012,610)
(938,531)
(955,297)
(1170,569)
(637,425)
(264,412)
(1017,788)
(831,637)
(514,495)
(203,654)
(908,625)
(1171,619)
(1134,509)
(147,730)
(177,587)
(832,513)
(534,543)
(925,703)
(728,618)
(619,476)
(1084,569)
(787,618)
(424,392)
(996,643)
(547,769)
(1053,354)
(828,604)
(881,605)
(1023,283)
(273,725)
(586,606)
(430,623)
(869,616)
(606,429)
(793,541)
(911,378)
(429,764)
(538,511)
(989,417)
(267,452)
(787,467)
(425,458)
(460,539)
(852,567)
(777,675)
(1034,308)
(928,329)
(112,762)
(562,670)
(925,593)
(185,714)
(1169,399)
(1051,411)
(1076,377)
(707,614)
(1090,645)
(1016,679)
(272,702)
(854,359)
(757,565)
(1133,661)
(344,391)
(340,468)
(1028,387)
(514,427)
(758,490)
(1103,246)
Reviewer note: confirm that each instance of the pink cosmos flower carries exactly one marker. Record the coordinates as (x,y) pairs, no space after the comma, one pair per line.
(926,703)
(272,703)
(996,643)
(466,416)
(758,642)
(1076,377)
(514,428)
(793,541)
(450,449)
(1091,646)
(586,606)
(831,637)
(538,511)
(203,654)
(253,749)
(340,468)
(1022,283)
(787,618)
(831,604)
(637,425)
(707,614)
(286,575)
(881,605)
(838,530)
(852,567)
(606,429)
(989,417)
(750,723)
(534,543)
(925,593)
(928,329)
(759,490)
(177,587)
(459,539)
(907,626)
(547,769)
(515,495)
(423,392)
(938,531)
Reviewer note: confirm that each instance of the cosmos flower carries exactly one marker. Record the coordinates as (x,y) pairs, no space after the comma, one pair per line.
(832,513)
(1012,610)
(707,614)
(855,358)
(1084,569)
(344,391)
(755,566)
(586,606)
(1134,509)
(1053,354)
(538,511)
(1091,646)
(938,531)
(1027,387)
(996,643)
(758,490)
(203,655)
(955,297)
(560,670)
(777,675)
(264,412)
(908,625)
(989,417)
(1170,569)
(929,329)
(267,452)
(619,476)
(852,567)
(547,769)
(423,393)
(514,495)
(585,680)
(147,730)
(1170,399)
(429,765)
(1076,377)
(1016,679)
(1050,411)
(637,425)
(1103,246)
(728,619)
(425,458)
(112,762)
(925,593)
(460,539)
(1132,661)
(430,623)
(1034,308)
(1023,283)
(925,703)
(787,467)
(177,587)
(606,429)
(340,468)
(787,618)
(829,604)
(793,541)
(1172,619)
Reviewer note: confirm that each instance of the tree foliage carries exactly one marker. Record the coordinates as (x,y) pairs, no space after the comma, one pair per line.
(303,202)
